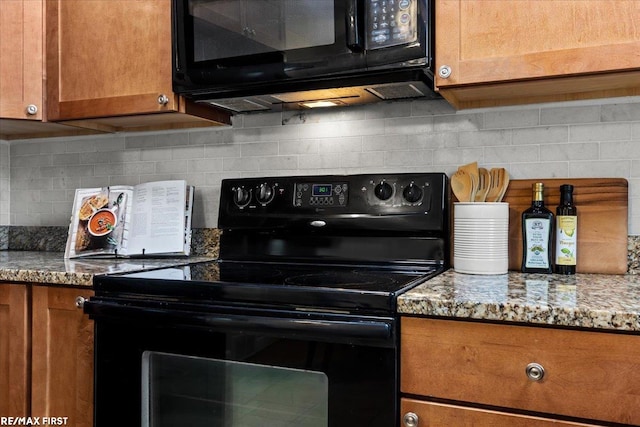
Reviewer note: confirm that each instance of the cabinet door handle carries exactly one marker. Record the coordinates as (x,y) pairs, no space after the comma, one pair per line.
(535,371)
(410,419)
(80,300)
(163,99)
(32,109)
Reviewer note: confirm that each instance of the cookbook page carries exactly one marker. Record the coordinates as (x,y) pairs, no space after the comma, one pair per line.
(158,218)
(99,221)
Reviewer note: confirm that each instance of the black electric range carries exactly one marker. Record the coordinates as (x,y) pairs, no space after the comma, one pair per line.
(309,272)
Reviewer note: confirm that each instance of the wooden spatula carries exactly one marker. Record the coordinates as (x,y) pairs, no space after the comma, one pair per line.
(462,186)
(483,185)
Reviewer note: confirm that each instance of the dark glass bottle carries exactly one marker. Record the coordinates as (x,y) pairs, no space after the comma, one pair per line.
(566,232)
(537,232)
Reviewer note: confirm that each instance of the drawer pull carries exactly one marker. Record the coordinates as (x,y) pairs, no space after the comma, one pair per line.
(535,371)
(410,419)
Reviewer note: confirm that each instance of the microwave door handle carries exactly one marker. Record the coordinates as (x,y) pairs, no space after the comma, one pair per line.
(355,22)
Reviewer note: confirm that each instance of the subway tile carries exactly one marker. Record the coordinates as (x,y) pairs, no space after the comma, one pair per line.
(308,146)
(278,163)
(540,135)
(601,169)
(32,161)
(139,168)
(241,164)
(431,107)
(65,159)
(157,154)
(108,169)
(370,159)
(570,151)
(191,152)
(171,166)
(503,119)
(408,158)
(459,122)
(259,149)
(485,138)
(205,165)
(80,146)
(385,143)
(621,112)
(409,125)
(319,161)
(340,145)
(570,115)
(538,170)
(156,140)
(619,150)
(600,132)
(206,137)
(69,170)
(512,153)
(221,151)
(458,156)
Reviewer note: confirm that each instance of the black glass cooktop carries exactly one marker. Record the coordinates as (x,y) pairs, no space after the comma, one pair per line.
(296,286)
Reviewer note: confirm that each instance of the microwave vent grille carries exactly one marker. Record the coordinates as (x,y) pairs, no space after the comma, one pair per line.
(240,105)
(398,91)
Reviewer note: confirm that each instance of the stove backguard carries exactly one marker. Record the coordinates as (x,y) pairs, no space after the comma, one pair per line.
(363,219)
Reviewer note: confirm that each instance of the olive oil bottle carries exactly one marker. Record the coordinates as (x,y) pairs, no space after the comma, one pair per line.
(566,232)
(537,232)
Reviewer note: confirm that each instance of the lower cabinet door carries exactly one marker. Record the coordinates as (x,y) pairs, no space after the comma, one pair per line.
(14,350)
(430,414)
(62,356)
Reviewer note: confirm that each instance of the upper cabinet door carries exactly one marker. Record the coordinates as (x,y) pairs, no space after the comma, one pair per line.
(108,58)
(21,75)
(497,41)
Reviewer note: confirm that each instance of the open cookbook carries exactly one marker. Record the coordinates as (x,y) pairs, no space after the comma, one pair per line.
(153,218)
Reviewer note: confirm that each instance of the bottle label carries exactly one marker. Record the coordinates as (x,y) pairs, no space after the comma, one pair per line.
(537,232)
(566,239)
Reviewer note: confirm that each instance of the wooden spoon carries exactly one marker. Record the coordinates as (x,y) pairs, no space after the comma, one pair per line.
(483,185)
(462,186)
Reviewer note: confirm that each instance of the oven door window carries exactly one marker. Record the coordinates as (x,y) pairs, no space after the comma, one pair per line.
(197,391)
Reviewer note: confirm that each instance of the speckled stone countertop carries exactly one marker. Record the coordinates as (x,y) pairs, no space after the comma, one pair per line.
(52,268)
(595,301)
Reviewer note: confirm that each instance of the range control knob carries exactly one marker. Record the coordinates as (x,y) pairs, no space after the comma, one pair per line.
(412,193)
(265,193)
(383,191)
(241,196)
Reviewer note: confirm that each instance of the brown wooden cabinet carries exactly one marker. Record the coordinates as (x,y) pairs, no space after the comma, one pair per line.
(496,52)
(580,374)
(46,354)
(107,65)
(14,350)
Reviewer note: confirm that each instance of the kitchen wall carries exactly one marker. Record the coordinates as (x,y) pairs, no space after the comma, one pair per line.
(4,183)
(580,139)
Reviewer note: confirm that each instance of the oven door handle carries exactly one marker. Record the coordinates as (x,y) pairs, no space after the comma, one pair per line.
(377,331)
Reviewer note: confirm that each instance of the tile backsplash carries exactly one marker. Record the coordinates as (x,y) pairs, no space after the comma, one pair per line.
(580,139)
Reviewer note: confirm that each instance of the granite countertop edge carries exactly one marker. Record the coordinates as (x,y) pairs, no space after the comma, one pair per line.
(590,301)
(50,268)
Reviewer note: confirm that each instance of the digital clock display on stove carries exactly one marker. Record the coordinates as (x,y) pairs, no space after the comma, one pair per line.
(321,190)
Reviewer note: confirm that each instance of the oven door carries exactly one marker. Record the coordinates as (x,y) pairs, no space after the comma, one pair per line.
(160,366)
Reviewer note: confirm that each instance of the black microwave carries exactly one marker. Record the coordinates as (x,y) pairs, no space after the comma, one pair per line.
(253,55)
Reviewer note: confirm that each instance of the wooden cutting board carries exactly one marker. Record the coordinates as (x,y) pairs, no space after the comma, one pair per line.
(602,205)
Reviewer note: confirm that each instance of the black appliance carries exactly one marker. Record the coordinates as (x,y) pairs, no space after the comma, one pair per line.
(259,55)
(294,325)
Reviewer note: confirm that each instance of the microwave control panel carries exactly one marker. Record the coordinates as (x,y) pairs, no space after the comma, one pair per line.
(391,23)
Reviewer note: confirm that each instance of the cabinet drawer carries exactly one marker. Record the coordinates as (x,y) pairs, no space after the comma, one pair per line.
(432,414)
(586,374)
